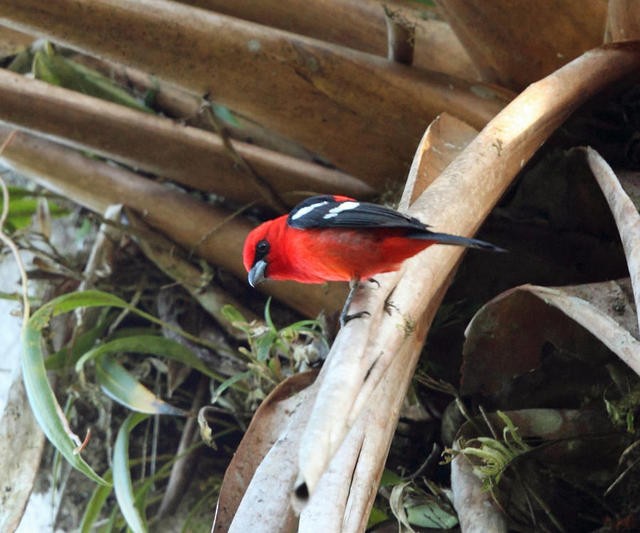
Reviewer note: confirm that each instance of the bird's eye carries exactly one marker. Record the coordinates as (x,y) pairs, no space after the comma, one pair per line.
(262,248)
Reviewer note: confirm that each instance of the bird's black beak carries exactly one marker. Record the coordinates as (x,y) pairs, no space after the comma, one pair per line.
(257,272)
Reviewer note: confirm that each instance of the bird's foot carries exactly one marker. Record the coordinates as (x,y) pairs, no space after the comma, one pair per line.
(344,318)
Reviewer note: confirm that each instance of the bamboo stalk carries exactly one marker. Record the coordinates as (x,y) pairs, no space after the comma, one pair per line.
(12,42)
(623,20)
(210,232)
(190,109)
(358,24)
(335,101)
(555,32)
(189,156)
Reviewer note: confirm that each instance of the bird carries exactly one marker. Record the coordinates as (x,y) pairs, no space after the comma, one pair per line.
(337,238)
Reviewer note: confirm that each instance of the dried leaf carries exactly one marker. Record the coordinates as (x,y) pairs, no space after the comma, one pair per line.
(476,510)
(364,350)
(19,432)
(625,214)
(506,338)
(258,480)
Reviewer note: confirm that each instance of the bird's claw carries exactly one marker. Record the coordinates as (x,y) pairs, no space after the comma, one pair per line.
(348,318)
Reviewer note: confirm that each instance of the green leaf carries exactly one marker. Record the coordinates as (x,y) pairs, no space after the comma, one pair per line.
(47,410)
(138,331)
(23,205)
(264,344)
(150,345)
(267,315)
(225,114)
(94,298)
(68,355)
(58,70)
(21,63)
(122,483)
(96,503)
(121,386)
(74,300)
(376,517)
(431,515)
(228,383)
(389,477)
(232,314)
(43,402)
(112,524)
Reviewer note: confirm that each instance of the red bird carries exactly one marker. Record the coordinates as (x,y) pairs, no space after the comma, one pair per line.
(336,238)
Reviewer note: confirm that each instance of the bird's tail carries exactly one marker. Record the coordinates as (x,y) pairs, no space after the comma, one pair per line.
(445,238)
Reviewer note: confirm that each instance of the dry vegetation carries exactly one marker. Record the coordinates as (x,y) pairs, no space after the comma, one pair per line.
(485,392)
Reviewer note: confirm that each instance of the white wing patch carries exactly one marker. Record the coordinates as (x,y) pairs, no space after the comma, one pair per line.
(344,206)
(306,210)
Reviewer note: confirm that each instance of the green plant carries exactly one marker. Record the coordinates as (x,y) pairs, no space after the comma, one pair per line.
(275,353)
(491,457)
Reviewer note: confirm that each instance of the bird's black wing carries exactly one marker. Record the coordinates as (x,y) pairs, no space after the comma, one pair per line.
(329,212)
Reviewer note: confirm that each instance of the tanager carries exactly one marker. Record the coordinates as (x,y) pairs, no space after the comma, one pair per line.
(336,238)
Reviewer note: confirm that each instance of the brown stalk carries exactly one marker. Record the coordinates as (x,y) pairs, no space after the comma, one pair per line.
(546,34)
(335,101)
(187,108)
(268,193)
(623,20)
(200,228)
(12,42)
(358,24)
(184,468)
(190,156)
(401,35)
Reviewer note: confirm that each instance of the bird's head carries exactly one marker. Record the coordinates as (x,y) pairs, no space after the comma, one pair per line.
(258,251)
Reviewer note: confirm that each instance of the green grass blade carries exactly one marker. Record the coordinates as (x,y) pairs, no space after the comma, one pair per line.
(58,70)
(122,483)
(43,402)
(95,505)
(149,345)
(120,385)
(68,355)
